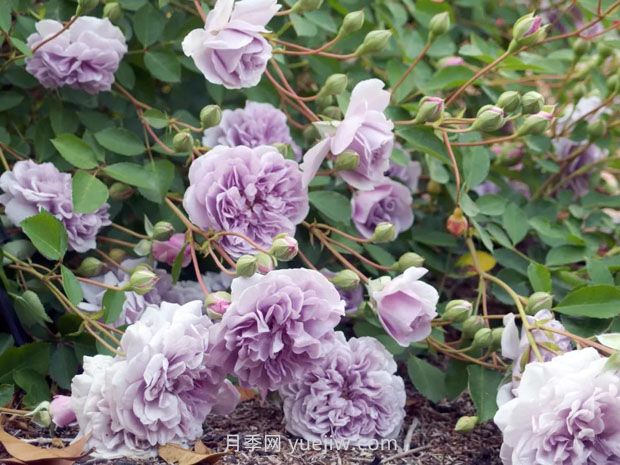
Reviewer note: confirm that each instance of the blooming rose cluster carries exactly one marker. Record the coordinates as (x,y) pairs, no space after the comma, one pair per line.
(84,57)
(159,391)
(30,188)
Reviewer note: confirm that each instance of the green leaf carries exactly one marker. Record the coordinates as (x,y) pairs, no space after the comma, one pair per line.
(10,99)
(47,234)
(610,340)
(423,138)
(595,301)
(34,356)
(456,378)
(599,272)
(483,385)
(121,141)
(163,65)
(75,151)
(30,310)
(156,119)
(476,164)
(88,192)
(34,385)
(161,177)
(5,16)
(148,25)
(565,254)
(21,46)
(333,206)
(540,277)
(6,394)
(130,173)
(514,221)
(63,366)
(112,305)
(491,205)
(427,379)
(71,285)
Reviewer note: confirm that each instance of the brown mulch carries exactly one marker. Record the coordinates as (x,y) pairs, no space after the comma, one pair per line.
(428,438)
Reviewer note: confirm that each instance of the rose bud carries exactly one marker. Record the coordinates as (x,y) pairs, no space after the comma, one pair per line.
(384,232)
(162,231)
(430,110)
(457,310)
(535,124)
(490,118)
(538,301)
(375,41)
(438,25)
(246,265)
(264,263)
(532,102)
(210,116)
(90,266)
(509,101)
(335,84)
(347,161)
(183,142)
(217,303)
(352,22)
(465,424)
(61,411)
(345,280)
(284,247)
(471,326)
(457,223)
(142,280)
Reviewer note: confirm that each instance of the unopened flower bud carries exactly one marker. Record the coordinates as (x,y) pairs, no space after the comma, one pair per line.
(335,84)
(304,6)
(117,255)
(351,22)
(457,311)
(112,11)
(284,247)
(375,41)
(613,84)
(438,25)
(310,133)
(332,112)
(579,90)
(457,223)
(217,303)
(246,265)
(580,47)
(596,129)
(90,266)
(509,101)
(345,280)
(465,424)
(471,326)
(430,110)
(41,415)
(347,161)
(84,6)
(409,260)
(265,263)
(384,232)
(61,412)
(162,231)
(538,301)
(120,191)
(604,50)
(142,280)
(497,337)
(447,62)
(143,247)
(527,31)
(532,102)
(483,339)
(285,150)
(183,142)
(535,124)
(210,116)
(490,118)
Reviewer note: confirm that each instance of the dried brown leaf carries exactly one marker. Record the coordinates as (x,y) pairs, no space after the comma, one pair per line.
(246,394)
(200,448)
(176,455)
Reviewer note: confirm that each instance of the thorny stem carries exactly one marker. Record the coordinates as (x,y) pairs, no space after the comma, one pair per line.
(476,76)
(410,68)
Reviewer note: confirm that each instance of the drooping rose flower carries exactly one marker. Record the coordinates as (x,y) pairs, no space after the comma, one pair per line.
(277,326)
(406,306)
(565,412)
(352,394)
(31,187)
(61,412)
(85,56)
(231,50)
(253,191)
(388,202)
(364,130)
(167,251)
(565,147)
(256,124)
(408,174)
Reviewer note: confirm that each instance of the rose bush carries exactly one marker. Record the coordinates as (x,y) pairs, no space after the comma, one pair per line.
(327,202)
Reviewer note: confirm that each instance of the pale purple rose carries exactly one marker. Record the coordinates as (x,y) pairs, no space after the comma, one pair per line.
(408,174)
(489,187)
(366,131)
(277,326)
(253,191)
(167,251)
(565,413)
(564,147)
(61,412)
(587,109)
(159,391)
(406,306)
(352,297)
(83,57)
(31,187)
(256,124)
(231,50)
(517,348)
(389,202)
(352,395)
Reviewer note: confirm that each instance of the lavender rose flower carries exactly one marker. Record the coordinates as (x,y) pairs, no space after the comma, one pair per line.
(31,187)
(351,395)
(61,412)
(580,184)
(565,413)
(277,326)
(366,131)
(517,348)
(253,191)
(167,251)
(389,202)
(408,174)
(83,57)
(230,49)
(256,124)
(587,108)
(406,306)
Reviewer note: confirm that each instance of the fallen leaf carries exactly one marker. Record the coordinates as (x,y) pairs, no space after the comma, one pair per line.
(486,261)
(22,452)
(176,455)
(200,448)
(246,394)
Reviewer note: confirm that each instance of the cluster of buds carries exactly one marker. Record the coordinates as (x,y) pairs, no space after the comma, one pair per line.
(527,30)
(283,248)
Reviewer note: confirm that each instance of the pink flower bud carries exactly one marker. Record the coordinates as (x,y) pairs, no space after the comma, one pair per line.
(61,411)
